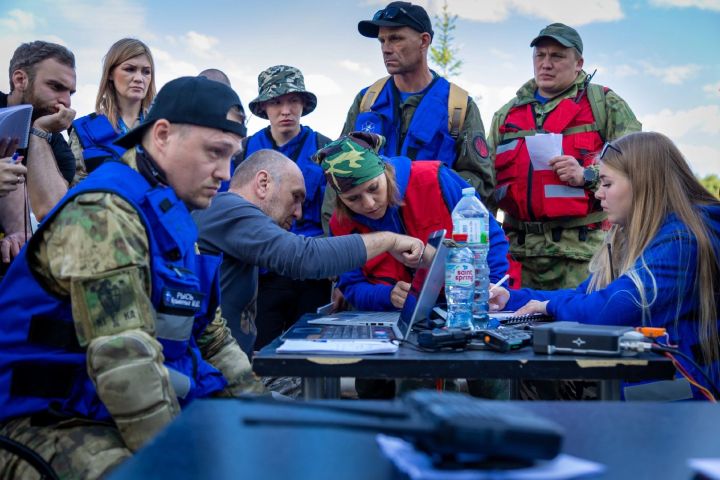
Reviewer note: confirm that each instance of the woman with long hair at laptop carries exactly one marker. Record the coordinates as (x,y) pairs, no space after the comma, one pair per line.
(660,265)
(392,194)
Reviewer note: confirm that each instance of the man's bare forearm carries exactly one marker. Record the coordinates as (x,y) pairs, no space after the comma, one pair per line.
(46,186)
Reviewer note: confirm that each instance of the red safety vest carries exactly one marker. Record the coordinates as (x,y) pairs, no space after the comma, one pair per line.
(423,211)
(528,194)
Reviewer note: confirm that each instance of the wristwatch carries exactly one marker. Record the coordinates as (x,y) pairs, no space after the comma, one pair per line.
(590,177)
(41,133)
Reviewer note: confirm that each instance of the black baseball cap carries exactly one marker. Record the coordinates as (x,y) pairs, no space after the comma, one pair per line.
(190,100)
(566,36)
(397,14)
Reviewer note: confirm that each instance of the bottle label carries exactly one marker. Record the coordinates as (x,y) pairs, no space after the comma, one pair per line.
(473,228)
(460,274)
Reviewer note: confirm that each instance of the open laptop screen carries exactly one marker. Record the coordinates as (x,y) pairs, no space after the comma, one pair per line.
(426,285)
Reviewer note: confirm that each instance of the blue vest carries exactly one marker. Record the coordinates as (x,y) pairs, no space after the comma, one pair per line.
(42,366)
(300,150)
(96,135)
(427,137)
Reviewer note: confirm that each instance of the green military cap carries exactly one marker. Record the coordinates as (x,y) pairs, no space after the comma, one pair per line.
(280,80)
(561,33)
(351,160)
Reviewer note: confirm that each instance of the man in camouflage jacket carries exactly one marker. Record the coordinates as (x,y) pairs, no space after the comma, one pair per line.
(554,243)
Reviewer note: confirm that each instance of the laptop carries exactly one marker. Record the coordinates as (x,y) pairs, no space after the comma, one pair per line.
(357,325)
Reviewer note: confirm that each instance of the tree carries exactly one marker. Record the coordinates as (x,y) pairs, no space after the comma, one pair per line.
(712,184)
(445,55)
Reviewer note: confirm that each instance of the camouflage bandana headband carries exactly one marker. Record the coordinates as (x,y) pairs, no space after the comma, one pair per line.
(352,160)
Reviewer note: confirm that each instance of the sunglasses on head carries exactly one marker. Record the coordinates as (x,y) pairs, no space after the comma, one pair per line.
(611,147)
(392,13)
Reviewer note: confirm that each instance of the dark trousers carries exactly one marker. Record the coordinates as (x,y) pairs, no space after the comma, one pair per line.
(282,300)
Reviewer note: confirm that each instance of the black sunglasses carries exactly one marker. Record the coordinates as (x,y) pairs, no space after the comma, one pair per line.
(392,13)
(605,149)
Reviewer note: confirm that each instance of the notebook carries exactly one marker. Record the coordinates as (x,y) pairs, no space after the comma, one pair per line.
(15,123)
(384,326)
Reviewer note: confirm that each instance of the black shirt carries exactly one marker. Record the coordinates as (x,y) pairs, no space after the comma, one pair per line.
(61,150)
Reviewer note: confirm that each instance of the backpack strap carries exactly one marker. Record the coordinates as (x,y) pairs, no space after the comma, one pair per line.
(596,97)
(371,94)
(457,109)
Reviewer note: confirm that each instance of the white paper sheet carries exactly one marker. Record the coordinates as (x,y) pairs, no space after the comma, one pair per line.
(542,147)
(337,346)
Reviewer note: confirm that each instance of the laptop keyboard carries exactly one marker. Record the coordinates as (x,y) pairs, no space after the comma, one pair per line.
(351,332)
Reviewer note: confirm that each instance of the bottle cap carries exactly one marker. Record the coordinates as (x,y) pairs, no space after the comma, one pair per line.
(468,191)
(460,237)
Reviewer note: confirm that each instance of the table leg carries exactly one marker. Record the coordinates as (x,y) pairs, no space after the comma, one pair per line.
(610,389)
(314,388)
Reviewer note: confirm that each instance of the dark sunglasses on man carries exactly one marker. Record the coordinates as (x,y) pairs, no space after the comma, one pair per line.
(393,12)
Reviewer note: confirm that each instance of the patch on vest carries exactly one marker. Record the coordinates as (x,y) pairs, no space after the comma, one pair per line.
(481,146)
(368,127)
(182,300)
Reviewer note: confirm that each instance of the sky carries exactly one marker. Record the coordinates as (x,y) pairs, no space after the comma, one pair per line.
(661,56)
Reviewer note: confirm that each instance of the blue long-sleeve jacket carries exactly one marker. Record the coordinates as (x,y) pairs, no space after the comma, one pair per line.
(670,261)
(364,295)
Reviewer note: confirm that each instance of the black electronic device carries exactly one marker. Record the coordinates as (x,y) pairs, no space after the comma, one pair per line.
(579,339)
(463,424)
(504,339)
(439,338)
(451,427)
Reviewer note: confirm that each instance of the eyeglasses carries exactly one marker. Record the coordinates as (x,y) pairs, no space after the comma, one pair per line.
(392,13)
(605,149)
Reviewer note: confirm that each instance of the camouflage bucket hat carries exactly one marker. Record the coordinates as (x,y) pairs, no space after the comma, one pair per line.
(352,160)
(280,80)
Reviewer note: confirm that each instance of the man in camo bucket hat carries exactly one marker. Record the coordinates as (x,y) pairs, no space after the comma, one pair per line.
(282,99)
(281,80)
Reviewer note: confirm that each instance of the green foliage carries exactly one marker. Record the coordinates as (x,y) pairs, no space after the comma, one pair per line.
(443,53)
(712,184)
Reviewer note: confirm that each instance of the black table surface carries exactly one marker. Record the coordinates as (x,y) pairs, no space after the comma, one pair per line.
(210,440)
(409,362)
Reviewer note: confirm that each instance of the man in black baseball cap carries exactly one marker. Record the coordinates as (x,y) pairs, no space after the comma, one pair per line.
(397,14)
(422,115)
(115,271)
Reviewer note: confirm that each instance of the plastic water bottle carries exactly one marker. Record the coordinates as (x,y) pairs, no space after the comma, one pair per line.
(459,283)
(470,216)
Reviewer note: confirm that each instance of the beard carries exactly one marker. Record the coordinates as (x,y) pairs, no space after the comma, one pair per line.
(29,98)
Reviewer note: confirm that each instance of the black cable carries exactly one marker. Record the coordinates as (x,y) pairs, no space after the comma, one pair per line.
(656,347)
(30,456)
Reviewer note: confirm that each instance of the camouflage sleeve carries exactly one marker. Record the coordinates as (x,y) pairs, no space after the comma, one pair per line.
(473,161)
(96,252)
(620,118)
(220,348)
(77,150)
(352,115)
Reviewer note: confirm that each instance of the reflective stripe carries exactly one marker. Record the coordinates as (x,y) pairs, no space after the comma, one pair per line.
(505,147)
(563,191)
(664,391)
(173,327)
(180,382)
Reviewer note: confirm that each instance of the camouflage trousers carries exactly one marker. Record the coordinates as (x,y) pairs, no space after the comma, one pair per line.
(75,448)
(550,265)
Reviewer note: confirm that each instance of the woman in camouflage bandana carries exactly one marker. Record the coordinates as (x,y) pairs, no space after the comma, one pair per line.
(375,193)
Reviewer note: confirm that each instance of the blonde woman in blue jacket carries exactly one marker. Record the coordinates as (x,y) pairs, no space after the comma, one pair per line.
(660,265)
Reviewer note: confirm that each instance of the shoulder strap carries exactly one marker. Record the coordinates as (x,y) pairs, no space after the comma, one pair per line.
(596,97)
(457,109)
(371,94)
